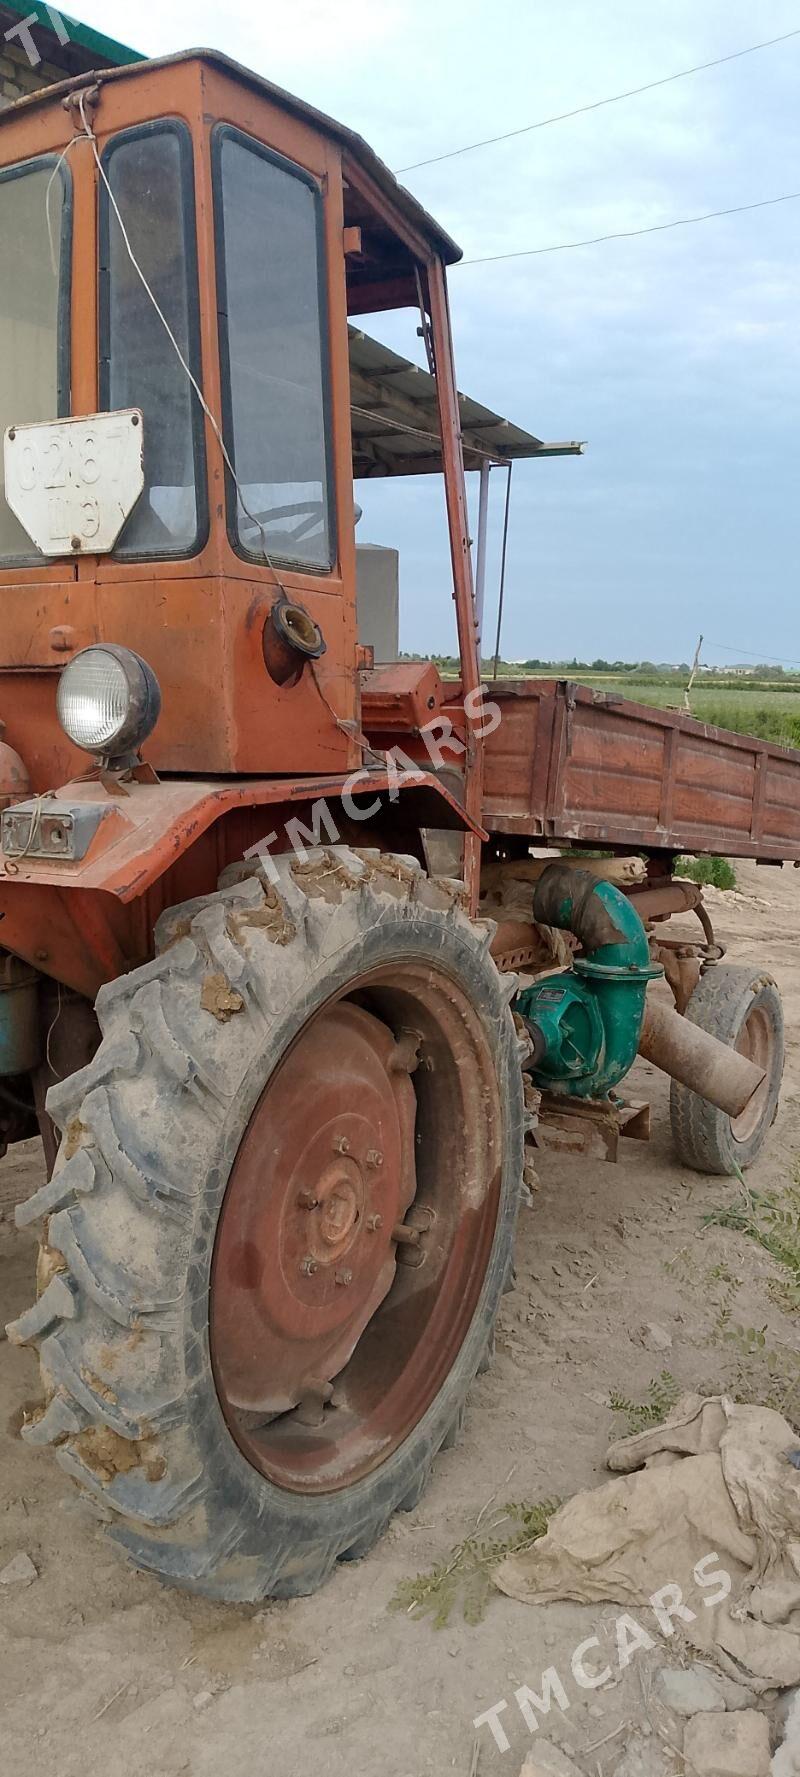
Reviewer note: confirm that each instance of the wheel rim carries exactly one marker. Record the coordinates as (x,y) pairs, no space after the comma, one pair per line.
(356,1229)
(756,1041)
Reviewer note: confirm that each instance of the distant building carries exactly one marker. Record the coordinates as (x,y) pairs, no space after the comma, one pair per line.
(40,45)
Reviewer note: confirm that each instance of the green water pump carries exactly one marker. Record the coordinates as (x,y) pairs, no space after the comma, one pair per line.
(585,1022)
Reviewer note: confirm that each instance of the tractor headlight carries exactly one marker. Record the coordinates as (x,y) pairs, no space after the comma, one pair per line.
(108,701)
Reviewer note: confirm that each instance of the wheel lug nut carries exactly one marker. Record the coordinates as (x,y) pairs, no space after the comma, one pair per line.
(307,1200)
(374,1157)
(308,1266)
(341,1145)
(343,1278)
(374,1223)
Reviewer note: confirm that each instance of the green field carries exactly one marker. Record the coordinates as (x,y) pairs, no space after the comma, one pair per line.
(767,705)
(770,710)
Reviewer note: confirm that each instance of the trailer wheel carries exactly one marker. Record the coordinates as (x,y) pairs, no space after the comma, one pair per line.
(281,1221)
(743,1009)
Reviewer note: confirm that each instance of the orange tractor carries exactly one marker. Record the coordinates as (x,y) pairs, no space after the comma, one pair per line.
(265,904)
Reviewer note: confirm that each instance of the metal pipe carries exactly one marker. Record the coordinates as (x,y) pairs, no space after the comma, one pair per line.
(480,558)
(689,1054)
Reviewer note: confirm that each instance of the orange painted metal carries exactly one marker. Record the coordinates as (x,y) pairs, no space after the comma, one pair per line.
(199,622)
(569,764)
(400,699)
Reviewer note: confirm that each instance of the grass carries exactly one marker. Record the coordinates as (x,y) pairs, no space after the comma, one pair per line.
(771,712)
(662,1395)
(717,871)
(464,1578)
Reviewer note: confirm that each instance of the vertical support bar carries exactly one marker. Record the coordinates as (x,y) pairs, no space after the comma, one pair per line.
(480,558)
(458,524)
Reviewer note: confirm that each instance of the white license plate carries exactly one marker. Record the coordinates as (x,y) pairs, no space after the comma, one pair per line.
(73,483)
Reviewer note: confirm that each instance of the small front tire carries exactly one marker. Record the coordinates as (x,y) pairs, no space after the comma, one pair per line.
(742,1008)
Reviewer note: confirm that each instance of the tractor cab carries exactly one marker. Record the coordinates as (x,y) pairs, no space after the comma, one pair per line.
(175,404)
(186,397)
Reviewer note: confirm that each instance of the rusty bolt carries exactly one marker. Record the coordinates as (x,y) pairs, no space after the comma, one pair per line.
(75,543)
(308,1266)
(374,1223)
(307,1200)
(11,434)
(405,1236)
(343,1278)
(374,1157)
(341,1145)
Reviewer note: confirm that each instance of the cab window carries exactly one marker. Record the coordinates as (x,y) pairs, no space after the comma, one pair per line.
(273,340)
(149,170)
(35,216)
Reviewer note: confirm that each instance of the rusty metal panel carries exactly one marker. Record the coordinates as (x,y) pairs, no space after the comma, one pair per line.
(604,771)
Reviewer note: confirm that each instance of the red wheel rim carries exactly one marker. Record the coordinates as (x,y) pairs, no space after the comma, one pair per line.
(356,1230)
(756,1041)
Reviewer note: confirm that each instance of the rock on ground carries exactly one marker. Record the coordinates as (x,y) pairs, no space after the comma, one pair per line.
(19,1572)
(548,1761)
(786,1762)
(728,1745)
(688,1693)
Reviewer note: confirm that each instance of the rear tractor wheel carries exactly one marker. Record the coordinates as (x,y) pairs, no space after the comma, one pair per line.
(280,1222)
(741,1007)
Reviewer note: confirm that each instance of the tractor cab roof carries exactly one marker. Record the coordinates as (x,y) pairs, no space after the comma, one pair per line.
(354,145)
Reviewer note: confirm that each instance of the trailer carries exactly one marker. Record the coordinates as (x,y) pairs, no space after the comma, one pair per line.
(283,987)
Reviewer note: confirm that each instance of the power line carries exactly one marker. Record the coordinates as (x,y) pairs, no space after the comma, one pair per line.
(753,654)
(628,234)
(597,104)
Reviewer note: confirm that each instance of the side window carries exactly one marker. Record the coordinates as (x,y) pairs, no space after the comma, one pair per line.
(150,173)
(273,340)
(36,229)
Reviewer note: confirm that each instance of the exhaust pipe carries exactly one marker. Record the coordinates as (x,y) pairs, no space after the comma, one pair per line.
(708,1067)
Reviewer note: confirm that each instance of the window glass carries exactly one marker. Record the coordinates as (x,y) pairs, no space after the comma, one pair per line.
(34,315)
(274,353)
(150,175)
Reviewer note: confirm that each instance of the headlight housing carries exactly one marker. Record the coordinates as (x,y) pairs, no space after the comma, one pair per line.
(108,701)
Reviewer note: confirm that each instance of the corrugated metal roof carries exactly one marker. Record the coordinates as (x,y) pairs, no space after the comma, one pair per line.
(100,50)
(426,225)
(395,419)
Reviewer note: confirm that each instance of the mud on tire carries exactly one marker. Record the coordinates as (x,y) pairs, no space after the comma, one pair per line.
(150,1132)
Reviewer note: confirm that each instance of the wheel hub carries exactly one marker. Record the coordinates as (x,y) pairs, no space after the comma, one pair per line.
(356,1228)
(304,1251)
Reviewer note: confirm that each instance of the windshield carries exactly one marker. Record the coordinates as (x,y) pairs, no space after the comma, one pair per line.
(150,173)
(34,314)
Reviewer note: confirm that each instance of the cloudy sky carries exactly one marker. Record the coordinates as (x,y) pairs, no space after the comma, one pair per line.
(675,355)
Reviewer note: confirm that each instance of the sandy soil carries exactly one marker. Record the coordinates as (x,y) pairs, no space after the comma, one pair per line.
(102,1670)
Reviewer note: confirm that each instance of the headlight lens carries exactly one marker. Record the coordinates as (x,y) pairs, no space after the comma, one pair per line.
(108,700)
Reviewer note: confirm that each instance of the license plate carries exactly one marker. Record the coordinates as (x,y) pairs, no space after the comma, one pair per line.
(73,483)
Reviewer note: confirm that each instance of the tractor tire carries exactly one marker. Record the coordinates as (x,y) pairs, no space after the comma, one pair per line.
(250,1356)
(742,1008)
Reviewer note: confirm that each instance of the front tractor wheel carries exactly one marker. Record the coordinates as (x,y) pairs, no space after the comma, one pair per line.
(741,1007)
(281,1221)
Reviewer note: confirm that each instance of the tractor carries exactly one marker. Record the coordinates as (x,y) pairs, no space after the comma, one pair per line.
(283,988)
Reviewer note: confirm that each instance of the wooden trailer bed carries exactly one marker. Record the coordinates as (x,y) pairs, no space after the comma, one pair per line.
(571,764)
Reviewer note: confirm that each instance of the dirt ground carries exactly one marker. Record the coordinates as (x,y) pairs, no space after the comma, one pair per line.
(104,1671)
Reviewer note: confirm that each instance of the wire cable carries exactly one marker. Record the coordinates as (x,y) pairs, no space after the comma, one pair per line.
(597,104)
(629,234)
(753,654)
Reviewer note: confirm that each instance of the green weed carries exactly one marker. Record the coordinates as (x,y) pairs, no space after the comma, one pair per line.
(464,1577)
(662,1394)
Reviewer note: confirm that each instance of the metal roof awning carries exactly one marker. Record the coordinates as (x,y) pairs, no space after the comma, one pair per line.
(395,420)
(62,41)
